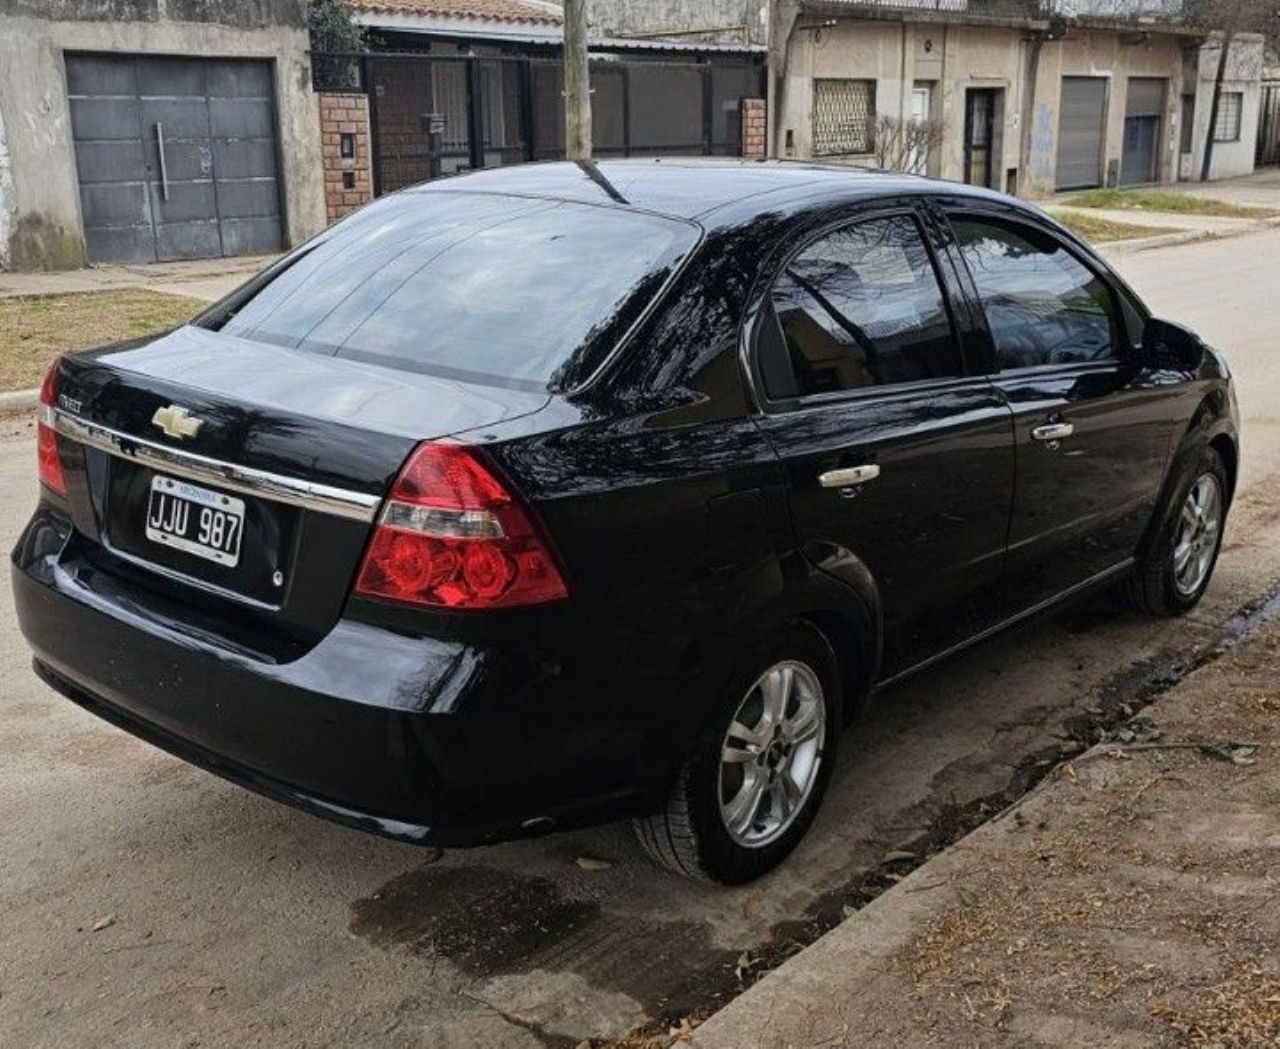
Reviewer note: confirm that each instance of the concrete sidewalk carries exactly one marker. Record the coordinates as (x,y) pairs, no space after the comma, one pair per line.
(1259,190)
(1170,228)
(208,279)
(1128,901)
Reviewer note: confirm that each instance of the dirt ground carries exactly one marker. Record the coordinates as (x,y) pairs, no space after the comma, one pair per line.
(1137,895)
(36,328)
(1129,901)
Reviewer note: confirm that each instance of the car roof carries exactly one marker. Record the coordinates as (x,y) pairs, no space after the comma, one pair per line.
(695,188)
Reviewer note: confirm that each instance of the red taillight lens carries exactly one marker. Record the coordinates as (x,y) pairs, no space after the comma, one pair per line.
(49,461)
(452,535)
(49,388)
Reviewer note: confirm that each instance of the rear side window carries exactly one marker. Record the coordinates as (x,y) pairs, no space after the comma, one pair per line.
(862,307)
(479,287)
(1042,304)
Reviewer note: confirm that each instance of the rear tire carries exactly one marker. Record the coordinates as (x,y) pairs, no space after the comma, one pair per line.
(755,776)
(1175,573)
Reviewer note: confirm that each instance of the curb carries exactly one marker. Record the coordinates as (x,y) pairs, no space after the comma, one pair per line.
(19,400)
(1162,240)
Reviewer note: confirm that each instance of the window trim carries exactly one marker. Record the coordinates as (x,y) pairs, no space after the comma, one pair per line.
(872,116)
(1238,98)
(760,311)
(1108,280)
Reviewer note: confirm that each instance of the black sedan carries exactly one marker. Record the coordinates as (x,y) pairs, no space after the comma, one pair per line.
(549,495)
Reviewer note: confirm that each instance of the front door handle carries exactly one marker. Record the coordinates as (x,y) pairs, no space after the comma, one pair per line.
(1052,432)
(848,476)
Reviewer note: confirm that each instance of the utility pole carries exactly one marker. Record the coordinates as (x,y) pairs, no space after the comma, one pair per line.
(577,82)
(1207,162)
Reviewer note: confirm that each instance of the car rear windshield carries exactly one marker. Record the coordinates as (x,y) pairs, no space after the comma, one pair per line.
(507,290)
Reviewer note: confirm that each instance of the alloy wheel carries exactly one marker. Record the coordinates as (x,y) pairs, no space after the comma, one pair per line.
(1197,535)
(771,753)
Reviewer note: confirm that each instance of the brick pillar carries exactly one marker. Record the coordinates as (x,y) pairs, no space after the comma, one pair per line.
(753,127)
(344,117)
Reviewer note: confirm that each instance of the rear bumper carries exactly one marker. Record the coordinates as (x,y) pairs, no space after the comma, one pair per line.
(420,739)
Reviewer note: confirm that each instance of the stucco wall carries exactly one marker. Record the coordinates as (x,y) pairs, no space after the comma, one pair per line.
(45,230)
(738,21)
(1243,74)
(954,58)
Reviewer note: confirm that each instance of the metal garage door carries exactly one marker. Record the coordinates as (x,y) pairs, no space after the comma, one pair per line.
(176,157)
(1083,109)
(1143,107)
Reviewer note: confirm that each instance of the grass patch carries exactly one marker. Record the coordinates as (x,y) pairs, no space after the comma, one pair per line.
(1165,200)
(36,328)
(1099,230)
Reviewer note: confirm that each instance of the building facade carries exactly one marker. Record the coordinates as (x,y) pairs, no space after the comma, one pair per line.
(709,21)
(455,85)
(149,130)
(1011,94)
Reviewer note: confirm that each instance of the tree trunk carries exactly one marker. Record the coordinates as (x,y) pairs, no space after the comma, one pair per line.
(1213,106)
(577,82)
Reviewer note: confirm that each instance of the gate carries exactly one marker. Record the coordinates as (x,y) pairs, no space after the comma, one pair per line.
(434,115)
(175,157)
(1081,120)
(1143,108)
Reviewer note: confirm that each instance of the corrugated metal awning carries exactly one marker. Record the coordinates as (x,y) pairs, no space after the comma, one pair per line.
(494,34)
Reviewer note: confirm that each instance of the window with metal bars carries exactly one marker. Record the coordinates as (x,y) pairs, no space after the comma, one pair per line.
(1228,126)
(844,117)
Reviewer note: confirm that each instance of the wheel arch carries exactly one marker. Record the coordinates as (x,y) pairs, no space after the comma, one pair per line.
(1210,426)
(829,591)
(1224,444)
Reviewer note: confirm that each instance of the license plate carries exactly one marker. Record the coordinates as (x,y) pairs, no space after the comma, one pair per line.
(199,521)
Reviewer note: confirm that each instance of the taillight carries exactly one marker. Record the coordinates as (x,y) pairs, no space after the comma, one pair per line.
(49,461)
(452,535)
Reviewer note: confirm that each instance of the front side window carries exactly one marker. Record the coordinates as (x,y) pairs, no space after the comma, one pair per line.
(862,307)
(1042,304)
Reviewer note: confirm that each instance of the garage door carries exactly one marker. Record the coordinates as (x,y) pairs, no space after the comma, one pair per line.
(1143,106)
(176,157)
(1083,110)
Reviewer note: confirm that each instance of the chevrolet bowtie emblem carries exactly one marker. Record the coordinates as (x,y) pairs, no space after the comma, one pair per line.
(175,421)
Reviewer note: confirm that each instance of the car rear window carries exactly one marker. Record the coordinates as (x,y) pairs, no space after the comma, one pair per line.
(504,290)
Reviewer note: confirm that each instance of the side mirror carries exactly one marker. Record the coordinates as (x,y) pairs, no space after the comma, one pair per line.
(1170,347)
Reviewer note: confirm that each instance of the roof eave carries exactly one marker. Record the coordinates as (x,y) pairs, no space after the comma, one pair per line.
(458,25)
(875,13)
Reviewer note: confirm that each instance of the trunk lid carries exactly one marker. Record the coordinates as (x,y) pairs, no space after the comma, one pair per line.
(252,508)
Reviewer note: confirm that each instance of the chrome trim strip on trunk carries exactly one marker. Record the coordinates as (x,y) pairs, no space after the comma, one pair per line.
(322,498)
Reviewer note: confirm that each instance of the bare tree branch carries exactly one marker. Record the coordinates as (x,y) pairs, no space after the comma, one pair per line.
(905,145)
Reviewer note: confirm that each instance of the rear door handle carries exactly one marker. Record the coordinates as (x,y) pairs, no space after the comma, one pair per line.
(1052,432)
(849,475)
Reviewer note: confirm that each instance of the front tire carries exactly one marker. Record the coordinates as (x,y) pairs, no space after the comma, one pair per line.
(755,776)
(1174,575)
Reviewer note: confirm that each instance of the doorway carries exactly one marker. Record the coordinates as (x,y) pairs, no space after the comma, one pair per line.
(979,135)
(921,105)
(1082,121)
(1144,105)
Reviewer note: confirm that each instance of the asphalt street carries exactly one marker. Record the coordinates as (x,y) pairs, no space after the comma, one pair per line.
(145,903)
